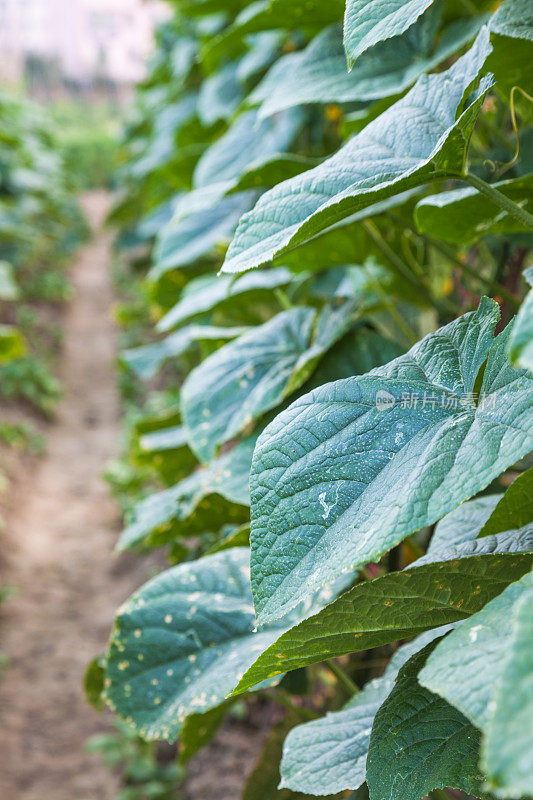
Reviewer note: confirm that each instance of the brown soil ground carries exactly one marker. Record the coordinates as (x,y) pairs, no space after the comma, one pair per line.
(57,550)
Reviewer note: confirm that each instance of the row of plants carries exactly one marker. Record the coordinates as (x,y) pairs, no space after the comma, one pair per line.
(335,219)
(40,226)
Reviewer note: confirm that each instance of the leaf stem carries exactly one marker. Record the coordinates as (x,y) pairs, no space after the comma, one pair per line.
(283,300)
(490,283)
(403,269)
(342,677)
(395,315)
(499,199)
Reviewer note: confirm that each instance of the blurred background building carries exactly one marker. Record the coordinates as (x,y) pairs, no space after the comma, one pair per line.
(76,44)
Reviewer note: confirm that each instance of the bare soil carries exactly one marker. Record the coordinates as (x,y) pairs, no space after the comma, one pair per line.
(57,551)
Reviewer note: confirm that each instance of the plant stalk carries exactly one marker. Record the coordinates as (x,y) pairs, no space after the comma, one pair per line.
(342,677)
(283,300)
(499,199)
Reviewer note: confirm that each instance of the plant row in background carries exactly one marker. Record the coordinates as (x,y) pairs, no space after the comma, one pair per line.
(337,219)
(40,225)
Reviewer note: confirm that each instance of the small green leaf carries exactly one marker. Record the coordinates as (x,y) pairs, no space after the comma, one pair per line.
(186,239)
(389,608)
(518,540)
(199,729)
(163,439)
(265,15)
(232,537)
(248,377)
(167,451)
(93,682)
(367,22)
(246,141)
(520,347)
(463,216)
(511,61)
(220,95)
(210,292)
(420,743)
(464,523)
(513,18)
(196,503)
(146,360)
(12,343)
(514,509)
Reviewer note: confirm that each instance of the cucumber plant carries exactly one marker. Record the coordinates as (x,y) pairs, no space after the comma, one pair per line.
(337,218)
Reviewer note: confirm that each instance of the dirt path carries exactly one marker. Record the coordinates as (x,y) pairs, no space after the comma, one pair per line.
(57,550)
(59,537)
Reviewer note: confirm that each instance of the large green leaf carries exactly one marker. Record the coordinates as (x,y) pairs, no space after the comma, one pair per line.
(419,138)
(514,509)
(208,292)
(181,642)
(389,608)
(250,376)
(328,755)
(419,743)
(266,15)
(351,469)
(467,665)
(145,360)
(462,216)
(207,499)
(186,239)
(319,75)
(520,348)
(508,743)
(367,22)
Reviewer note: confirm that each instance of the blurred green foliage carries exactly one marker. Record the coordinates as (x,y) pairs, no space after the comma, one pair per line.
(40,226)
(87,139)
